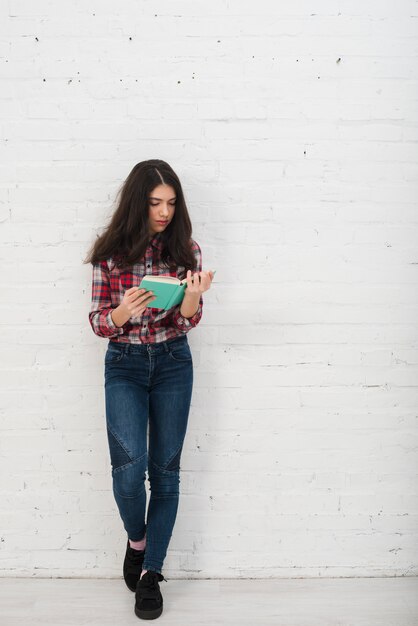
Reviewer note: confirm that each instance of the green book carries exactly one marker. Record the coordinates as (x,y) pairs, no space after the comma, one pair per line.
(168,290)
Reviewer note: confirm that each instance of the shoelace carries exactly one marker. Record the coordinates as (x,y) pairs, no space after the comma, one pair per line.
(149,585)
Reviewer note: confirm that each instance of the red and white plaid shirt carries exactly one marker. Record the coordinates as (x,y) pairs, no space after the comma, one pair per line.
(154,325)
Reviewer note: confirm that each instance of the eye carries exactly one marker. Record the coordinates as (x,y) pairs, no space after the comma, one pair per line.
(157,203)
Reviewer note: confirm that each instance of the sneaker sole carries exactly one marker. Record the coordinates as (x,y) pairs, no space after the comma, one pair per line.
(148,614)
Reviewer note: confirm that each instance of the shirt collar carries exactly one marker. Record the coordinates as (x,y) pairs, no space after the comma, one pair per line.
(156,241)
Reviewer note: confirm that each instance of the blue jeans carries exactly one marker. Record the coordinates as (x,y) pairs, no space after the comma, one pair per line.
(148,385)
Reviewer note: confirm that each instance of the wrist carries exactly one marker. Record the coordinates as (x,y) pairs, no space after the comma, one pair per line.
(120,315)
(191,297)
(190,304)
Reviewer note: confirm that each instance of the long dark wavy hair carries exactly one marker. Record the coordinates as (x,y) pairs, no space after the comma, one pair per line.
(126,237)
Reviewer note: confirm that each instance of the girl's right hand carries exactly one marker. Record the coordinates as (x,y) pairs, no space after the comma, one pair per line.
(135,300)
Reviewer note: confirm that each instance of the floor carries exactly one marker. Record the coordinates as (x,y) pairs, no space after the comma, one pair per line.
(243,602)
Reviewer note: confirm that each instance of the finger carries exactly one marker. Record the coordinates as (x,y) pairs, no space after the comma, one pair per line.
(134,292)
(193,282)
(140,302)
(143,295)
(189,280)
(205,283)
(143,306)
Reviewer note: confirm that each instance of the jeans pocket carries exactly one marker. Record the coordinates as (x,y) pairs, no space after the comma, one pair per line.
(180,352)
(114,354)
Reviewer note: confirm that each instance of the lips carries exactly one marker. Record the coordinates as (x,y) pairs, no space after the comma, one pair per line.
(159,222)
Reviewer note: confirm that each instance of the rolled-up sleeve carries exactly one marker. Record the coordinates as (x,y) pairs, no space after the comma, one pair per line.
(100,315)
(184,324)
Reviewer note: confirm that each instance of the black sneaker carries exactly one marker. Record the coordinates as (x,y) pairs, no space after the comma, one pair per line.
(132,566)
(148,598)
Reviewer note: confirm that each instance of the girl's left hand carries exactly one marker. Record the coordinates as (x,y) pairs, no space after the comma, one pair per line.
(198,282)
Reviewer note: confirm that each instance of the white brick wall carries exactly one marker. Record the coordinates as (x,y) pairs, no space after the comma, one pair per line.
(300,173)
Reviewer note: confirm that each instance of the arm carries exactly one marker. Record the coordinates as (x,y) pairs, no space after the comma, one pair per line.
(100,315)
(188,314)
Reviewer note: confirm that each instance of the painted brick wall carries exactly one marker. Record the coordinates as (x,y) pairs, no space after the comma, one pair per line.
(293,127)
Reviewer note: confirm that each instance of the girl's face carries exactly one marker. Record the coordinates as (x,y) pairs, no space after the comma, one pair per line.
(162,201)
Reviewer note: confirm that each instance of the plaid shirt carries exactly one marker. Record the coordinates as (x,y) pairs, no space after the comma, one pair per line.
(154,325)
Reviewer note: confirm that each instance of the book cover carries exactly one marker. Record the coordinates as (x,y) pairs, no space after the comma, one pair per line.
(169,290)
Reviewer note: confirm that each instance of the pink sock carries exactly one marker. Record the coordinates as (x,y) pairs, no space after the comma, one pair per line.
(137,545)
(143,572)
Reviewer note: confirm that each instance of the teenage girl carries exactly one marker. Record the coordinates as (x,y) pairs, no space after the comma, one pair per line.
(148,368)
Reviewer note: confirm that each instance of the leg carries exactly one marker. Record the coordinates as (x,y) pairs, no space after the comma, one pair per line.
(126,421)
(170,399)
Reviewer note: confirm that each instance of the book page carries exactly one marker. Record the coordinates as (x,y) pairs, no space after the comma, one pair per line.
(162,279)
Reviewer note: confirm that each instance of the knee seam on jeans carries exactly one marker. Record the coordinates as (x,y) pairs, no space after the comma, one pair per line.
(164,469)
(114,435)
(176,460)
(126,465)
